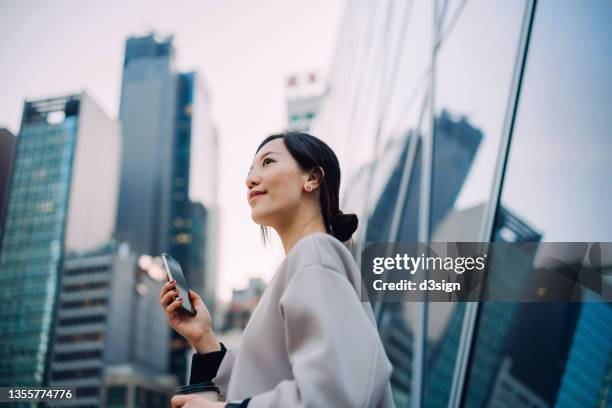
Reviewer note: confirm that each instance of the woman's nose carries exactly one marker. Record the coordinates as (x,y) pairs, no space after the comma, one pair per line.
(252,181)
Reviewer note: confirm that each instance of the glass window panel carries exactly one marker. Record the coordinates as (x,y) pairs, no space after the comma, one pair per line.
(474,70)
(352,112)
(399,321)
(477,48)
(556,188)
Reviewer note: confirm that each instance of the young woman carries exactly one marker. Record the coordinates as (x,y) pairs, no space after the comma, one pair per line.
(310,342)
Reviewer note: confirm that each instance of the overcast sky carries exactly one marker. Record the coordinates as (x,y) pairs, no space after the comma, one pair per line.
(244,49)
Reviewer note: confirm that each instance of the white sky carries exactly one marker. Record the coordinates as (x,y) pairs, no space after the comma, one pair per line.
(245,49)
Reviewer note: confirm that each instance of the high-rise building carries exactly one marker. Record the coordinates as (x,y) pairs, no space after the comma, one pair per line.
(107,317)
(203,188)
(194,194)
(594,328)
(147,114)
(169,167)
(7,150)
(62,198)
(305,93)
(502,175)
(192,232)
(196,261)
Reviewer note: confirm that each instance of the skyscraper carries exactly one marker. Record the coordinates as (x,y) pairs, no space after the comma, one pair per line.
(169,158)
(147,113)
(594,327)
(397,68)
(7,150)
(194,174)
(63,197)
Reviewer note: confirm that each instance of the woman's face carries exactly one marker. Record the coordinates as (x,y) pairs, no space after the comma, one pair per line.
(274,184)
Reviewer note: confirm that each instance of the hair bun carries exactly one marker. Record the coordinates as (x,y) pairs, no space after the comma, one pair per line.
(344,226)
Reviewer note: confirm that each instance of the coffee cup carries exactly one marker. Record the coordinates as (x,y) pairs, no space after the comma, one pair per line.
(207,389)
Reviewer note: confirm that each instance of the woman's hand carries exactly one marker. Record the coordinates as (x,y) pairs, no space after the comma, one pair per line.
(196,329)
(194,401)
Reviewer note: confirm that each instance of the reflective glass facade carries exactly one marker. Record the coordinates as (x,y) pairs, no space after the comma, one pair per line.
(33,240)
(480,121)
(147,115)
(165,116)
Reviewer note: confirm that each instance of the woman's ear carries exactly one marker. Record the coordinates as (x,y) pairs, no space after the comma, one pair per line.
(315,176)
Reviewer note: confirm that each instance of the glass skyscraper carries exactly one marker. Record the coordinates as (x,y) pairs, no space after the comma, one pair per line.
(147,114)
(62,197)
(169,167)
(480,121)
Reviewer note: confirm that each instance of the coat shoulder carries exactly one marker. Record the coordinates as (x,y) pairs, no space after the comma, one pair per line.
(319,249)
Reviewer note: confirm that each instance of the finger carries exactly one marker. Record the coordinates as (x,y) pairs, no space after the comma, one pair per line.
(168,298)
(196,300)
(178,401)
(167,287)
(174,305)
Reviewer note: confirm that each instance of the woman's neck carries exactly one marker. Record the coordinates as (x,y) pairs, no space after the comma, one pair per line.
(306,224)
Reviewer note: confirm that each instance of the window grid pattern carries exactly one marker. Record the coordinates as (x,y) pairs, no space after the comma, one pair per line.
(32,247)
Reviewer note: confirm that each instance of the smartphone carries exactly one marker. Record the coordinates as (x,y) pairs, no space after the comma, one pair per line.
(174,272)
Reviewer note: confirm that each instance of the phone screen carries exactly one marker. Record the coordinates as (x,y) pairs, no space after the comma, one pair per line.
(174,272)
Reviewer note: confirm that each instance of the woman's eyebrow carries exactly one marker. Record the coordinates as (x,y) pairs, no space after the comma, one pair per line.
(264,155)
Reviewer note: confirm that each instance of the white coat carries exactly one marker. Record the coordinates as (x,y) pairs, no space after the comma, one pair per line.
(310,341)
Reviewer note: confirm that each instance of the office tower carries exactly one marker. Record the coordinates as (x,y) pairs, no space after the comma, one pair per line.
(169,168)
(193,230)
(170,150)
(203,188)
(196,258)
(456,145)
(181,237)
(305,93)
(510,268)
(126,388)
(594,328)
(62,198)
(7,150)
(397,67)
(147,112)
(194,194)
(108,320)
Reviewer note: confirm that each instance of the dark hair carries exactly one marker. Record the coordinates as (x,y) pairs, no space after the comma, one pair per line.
(310,153)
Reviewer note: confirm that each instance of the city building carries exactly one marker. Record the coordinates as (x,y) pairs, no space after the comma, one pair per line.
(195,186)
(304,93)
(594,329)
(125,387)
(450,126)
(169,169)
(243,304)
(147,114)
(7,151)
(108,316)
(62,198)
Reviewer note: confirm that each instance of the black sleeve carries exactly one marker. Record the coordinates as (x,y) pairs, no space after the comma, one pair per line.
(243,404)
(204,366)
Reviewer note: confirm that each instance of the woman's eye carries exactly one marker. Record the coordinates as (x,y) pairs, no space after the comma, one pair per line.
(267,160)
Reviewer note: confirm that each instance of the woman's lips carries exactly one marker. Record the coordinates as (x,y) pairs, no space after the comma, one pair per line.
(257,194)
